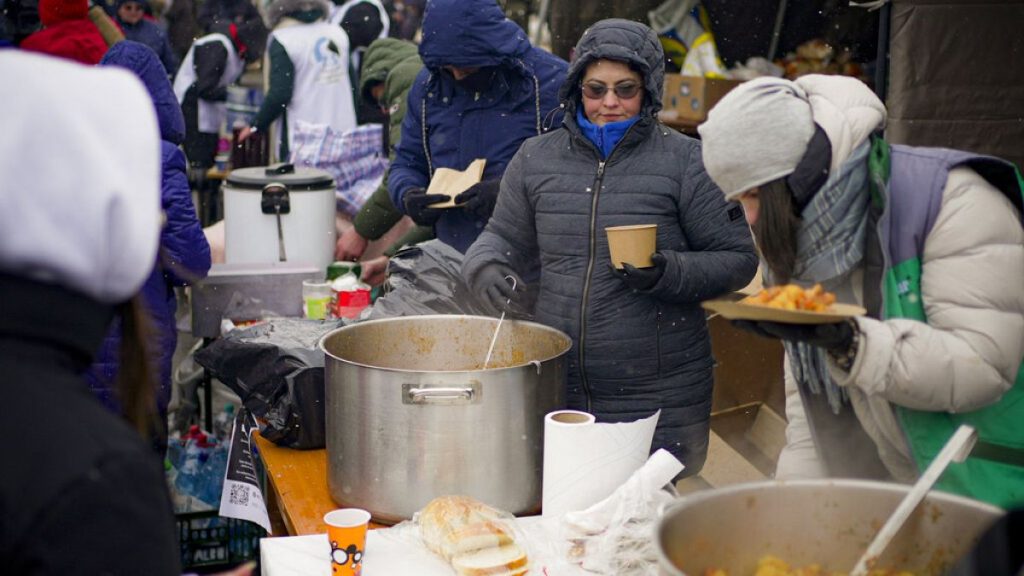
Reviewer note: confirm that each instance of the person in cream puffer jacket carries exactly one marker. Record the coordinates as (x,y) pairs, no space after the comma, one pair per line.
(930,241)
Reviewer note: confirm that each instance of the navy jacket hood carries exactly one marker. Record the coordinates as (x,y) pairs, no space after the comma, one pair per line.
(145,64)
(470,33)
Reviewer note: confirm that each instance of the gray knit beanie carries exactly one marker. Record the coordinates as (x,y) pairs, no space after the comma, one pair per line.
(756,134)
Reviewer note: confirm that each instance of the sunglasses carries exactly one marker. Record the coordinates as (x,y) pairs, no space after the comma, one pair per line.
(624,91)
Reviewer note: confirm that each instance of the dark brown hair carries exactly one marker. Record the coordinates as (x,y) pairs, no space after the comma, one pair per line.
(776,229)
(136,375)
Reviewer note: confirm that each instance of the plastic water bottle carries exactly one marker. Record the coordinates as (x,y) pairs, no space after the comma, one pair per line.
(196,453)
(212,475)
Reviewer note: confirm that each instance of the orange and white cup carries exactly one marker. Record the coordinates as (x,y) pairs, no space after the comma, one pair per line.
(346,533)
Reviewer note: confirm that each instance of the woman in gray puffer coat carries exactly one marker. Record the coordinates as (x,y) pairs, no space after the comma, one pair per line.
(640,339)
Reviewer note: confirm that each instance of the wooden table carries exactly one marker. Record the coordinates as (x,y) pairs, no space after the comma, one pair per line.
(298,487)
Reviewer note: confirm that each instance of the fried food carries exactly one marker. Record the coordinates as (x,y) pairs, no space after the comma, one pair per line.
(793,297)
(769,565)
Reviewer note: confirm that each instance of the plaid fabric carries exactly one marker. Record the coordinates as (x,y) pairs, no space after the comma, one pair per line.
(353,158)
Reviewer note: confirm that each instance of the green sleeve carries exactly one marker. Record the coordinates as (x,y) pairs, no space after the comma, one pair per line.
(378,214)
(280,89)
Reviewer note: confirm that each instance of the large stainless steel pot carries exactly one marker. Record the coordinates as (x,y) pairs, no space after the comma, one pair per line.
(829,522)
(411,414)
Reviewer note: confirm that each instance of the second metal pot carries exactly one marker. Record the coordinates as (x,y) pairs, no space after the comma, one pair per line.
(411,415)
(826,522)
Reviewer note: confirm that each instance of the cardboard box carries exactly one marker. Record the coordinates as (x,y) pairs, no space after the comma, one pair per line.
(691,97)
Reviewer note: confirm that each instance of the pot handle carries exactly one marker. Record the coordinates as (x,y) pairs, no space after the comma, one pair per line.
(440,395)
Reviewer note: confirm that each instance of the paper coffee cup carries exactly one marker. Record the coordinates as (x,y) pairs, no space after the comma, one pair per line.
(346,533)
(632,245)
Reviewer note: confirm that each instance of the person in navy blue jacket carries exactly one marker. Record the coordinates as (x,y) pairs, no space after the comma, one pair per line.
(184,255)
(484,90)
(131,16)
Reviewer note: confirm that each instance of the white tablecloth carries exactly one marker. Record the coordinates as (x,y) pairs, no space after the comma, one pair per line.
(397,551)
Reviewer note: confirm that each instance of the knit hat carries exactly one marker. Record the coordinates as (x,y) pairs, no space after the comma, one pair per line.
(756,134)
(53,11)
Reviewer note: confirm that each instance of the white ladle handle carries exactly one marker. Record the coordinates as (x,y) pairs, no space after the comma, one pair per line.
(497,328)
(956,449)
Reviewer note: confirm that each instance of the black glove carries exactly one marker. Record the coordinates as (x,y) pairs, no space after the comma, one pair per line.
(835,337)
(480,198)
(641,278)
(416,202)
(493,287)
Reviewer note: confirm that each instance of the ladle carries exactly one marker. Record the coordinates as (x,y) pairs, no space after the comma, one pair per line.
(494,338)
(956,449)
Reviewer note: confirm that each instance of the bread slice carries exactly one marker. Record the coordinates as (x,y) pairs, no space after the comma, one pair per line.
(477,536)
(444,517)
(501,561)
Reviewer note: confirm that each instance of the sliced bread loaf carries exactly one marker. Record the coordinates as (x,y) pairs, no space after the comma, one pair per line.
(505,560)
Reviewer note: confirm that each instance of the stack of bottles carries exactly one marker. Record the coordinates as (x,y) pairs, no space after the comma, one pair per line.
(196,463)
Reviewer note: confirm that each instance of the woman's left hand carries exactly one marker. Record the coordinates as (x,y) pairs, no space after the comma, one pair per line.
(641,278)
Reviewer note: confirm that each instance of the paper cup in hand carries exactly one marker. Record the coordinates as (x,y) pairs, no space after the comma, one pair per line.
(632,244)
(346,533)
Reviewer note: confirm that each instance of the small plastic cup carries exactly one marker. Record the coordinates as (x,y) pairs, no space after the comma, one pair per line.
(316,299)
(632,245)
(346,533)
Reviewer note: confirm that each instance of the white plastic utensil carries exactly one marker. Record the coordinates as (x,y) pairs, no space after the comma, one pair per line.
(497,328)
(956,449)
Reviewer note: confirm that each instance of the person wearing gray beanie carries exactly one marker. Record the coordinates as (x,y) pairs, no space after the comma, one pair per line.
(756,134)
(929,241)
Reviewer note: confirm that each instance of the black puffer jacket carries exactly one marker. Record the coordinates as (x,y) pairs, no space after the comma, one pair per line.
(633,352)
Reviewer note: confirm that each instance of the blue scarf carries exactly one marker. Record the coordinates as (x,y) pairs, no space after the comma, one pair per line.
(604,137)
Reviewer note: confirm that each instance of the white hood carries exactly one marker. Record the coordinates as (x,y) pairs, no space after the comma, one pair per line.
(80,187)
(845,108)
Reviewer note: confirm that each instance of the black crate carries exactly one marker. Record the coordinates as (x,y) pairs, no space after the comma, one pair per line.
(212,542)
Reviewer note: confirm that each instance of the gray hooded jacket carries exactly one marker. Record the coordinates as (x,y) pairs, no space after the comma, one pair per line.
(633,352)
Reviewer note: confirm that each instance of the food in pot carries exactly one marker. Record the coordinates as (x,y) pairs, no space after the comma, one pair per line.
(793,297)
(472,536)
(773,566)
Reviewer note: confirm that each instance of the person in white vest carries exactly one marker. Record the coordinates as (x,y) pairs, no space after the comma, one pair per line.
(363,21)
(308,73)
(212,63)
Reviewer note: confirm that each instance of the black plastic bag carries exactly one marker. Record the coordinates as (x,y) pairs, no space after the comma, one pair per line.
(277,370)
(427,279)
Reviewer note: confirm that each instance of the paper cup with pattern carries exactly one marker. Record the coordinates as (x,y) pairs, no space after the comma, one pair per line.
(346,533)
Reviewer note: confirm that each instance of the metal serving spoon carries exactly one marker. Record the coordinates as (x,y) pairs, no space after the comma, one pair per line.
(497,328)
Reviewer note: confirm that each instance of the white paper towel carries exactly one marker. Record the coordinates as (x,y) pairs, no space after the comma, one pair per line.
(585,461)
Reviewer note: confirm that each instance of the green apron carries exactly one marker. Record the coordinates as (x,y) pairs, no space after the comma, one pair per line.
(994,472)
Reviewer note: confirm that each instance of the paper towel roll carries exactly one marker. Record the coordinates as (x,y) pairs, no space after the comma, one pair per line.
(585,461)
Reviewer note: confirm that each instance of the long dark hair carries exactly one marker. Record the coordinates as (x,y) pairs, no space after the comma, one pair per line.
(136,375)
(776,229)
